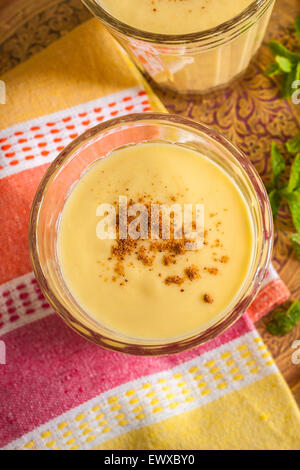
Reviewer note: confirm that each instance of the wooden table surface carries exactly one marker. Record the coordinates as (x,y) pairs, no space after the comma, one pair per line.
(250,113)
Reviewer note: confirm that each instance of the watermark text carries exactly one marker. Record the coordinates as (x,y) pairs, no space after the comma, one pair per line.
(296,94)
(2,92)
(152,222)
(296,354)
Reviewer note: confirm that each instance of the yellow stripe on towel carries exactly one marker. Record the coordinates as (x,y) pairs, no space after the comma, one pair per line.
(245,419)
(57,78)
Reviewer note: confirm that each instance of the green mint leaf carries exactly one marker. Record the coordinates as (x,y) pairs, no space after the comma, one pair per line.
(295,239)
(284,64)
(280,325)
(284,322)
(274,328)
(297,74)
(278,49)
(278,164)
(293,145)
(297,26)
(288,81)
(273,69)
(294,312)
(294,181)
(293,200)
(275,201)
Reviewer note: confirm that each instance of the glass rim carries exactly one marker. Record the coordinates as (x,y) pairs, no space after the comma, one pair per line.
(169,39)
(169,346)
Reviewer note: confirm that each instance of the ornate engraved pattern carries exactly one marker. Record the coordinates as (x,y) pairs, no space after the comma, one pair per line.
(40,31)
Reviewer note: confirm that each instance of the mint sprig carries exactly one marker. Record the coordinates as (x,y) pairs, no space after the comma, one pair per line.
(293,145)
(286,190)
(275,201)
(287,63)
(284,322)
(278,164)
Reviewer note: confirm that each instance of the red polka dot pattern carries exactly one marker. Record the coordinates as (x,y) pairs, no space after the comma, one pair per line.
(28,145)
(20,300)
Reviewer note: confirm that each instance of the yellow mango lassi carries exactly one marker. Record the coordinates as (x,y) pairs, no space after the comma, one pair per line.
(154,288)
(215,39)
(174,16)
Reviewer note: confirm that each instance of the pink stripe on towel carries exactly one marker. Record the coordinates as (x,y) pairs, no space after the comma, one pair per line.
(50,370)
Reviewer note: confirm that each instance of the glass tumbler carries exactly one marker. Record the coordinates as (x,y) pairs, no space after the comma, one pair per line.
(99,142)
(195,63)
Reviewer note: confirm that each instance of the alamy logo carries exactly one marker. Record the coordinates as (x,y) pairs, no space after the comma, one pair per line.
(2,92)
(2,353)
(296,354)
(296,94)
(152,222)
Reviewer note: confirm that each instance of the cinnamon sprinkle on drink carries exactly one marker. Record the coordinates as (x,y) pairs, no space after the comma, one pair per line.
(207,299)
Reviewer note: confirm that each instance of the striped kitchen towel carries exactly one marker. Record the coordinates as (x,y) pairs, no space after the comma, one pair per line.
(57,390)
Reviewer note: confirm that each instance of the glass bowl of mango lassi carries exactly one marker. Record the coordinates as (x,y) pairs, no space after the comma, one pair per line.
(150,234)
(187,46)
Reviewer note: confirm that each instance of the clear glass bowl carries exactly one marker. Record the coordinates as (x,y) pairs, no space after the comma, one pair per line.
(97,143)
(195,63)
